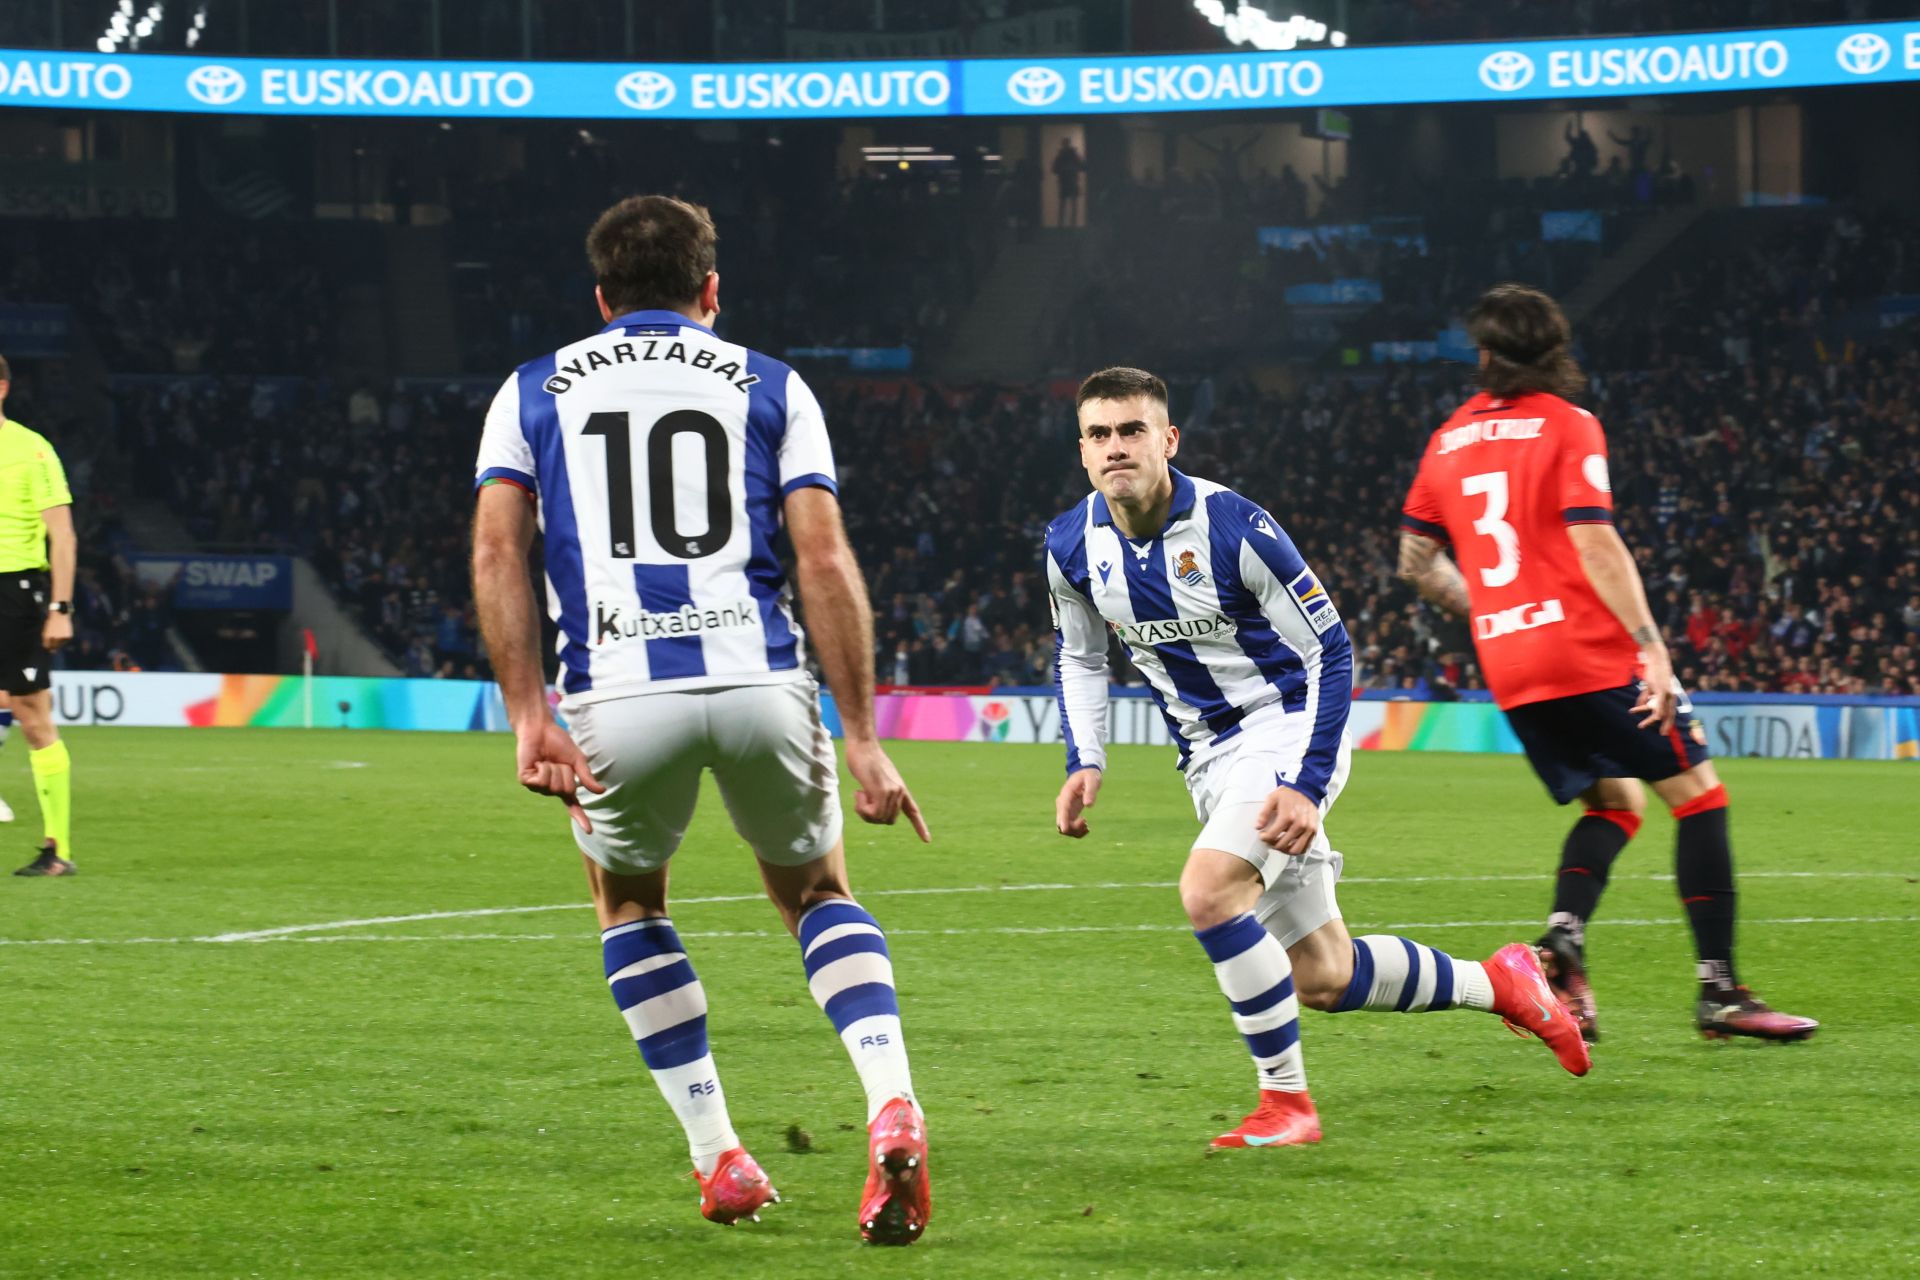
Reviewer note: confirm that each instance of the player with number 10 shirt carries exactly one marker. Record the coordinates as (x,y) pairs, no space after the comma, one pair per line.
(660,463)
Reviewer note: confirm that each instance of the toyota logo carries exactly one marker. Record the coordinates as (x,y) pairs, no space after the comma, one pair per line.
(1863,53)
(1506,70)
(1035,86)
(216,85)
(645,90)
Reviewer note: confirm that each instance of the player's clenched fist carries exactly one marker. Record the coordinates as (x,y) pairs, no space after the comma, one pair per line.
(1082,789)
(552,764)
(1288,820)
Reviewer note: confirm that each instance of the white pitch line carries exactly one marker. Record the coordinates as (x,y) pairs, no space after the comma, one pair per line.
(254,935)
(328,926)
(1005,930)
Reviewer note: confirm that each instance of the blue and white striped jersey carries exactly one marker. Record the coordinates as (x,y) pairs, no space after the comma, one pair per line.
(660,455)
(1222,617)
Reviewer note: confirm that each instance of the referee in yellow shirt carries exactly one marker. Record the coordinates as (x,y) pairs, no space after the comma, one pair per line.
(37,551)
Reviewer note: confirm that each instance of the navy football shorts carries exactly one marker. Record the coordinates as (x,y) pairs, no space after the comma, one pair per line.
(1573,742)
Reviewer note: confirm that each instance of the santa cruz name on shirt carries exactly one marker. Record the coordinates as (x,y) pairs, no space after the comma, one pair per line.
(1490,429)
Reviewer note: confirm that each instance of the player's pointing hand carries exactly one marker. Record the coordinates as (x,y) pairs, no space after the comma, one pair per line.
(552,764)
(883,795)
(1082,789)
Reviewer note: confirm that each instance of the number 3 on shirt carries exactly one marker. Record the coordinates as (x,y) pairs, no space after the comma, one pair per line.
(1494,485)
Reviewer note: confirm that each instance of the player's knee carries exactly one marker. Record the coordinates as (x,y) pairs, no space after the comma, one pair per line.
(1209,903)
(34,715)
(1631,797)
(1685,788)
(1617,795)
(1216,886)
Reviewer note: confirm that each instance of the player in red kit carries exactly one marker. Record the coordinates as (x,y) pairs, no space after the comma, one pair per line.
(1516,484)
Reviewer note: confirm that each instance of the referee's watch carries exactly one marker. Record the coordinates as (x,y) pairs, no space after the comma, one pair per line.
(60,606)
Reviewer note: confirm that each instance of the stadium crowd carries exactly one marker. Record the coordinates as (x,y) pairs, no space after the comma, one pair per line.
(1781,552)
(802,256)
(1428,245)
(188,295)
(335,475)
(1766,440)
(1766,450)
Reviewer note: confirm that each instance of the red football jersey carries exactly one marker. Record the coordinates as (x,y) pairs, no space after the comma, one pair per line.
(1501,481)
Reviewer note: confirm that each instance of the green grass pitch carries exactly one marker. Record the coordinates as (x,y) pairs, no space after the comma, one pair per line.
(456,1095)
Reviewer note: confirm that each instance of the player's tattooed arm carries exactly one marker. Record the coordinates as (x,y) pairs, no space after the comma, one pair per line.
(1433,574)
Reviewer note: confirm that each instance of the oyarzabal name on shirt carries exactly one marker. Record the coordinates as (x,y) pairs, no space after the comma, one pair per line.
(612,624)
(641,351)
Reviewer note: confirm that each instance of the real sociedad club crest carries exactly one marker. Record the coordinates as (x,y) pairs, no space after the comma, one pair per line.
(1187,571)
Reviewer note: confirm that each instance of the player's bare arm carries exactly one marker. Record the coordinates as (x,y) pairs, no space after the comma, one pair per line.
(1610,568)
(840,622)
(62,551)
(549,762)
(1433,574)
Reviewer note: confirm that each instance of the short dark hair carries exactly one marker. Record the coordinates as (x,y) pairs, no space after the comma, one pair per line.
(1528,342)
(1121,383)
(651,253)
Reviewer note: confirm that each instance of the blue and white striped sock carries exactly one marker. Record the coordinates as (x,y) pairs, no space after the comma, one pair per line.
(1257,979)
(1404,976)
(851,976)
(664,1004)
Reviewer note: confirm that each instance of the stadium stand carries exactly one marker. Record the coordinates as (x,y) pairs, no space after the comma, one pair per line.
(1761,418)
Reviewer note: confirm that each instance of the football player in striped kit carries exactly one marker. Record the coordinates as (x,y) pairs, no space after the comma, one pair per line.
(1247,658)
(660,462)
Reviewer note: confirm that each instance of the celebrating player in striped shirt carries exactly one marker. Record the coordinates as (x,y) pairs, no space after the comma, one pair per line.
(659,461)
(1247,658)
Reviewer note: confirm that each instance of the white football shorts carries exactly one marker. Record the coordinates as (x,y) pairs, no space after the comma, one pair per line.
(770,754)
(1228,789)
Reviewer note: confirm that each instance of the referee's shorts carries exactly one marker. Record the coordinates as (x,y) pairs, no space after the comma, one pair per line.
(25,663)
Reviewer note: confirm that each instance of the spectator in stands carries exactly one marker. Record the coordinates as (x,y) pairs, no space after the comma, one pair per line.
(1069,169)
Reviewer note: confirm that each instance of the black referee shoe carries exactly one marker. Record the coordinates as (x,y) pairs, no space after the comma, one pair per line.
(49,863)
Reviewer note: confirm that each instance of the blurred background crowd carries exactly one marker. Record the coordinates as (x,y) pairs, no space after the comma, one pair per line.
(293,351)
